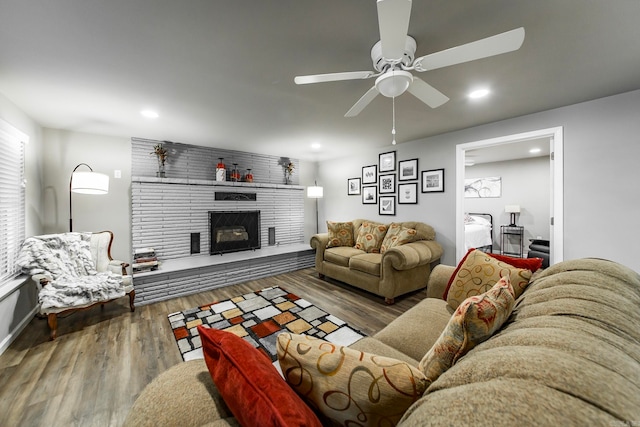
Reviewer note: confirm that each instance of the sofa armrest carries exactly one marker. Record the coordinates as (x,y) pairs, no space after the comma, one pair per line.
(411,255)
(438,280)
(118,267)
(319,241)
(41,279)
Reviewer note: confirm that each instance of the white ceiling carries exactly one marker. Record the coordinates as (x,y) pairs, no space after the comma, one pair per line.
(220,73)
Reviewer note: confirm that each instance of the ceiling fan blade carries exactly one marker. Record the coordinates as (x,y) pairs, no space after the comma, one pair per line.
(393,20)
(490,46)
(332,77)
(362,102)
(427,93)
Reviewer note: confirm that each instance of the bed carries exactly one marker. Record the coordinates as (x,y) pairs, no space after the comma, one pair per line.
(478,231)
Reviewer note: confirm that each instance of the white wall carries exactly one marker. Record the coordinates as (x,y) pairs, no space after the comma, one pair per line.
(601,151)
(525,182)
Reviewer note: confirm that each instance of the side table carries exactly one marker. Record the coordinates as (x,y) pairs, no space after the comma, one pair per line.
(512,234)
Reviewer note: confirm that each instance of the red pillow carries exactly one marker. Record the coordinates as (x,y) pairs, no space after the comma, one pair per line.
(250,385)
(532,264)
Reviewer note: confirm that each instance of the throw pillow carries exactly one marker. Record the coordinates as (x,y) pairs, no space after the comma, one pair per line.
(474,321)
(249,383)
(370,237)
(397,235)
(340,234)
(348,386)
(532,264)
(477,272)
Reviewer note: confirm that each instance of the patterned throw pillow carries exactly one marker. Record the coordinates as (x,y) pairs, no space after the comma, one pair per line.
(370,237)
(474,321)
(477,273)
(397,235)
(340,234)
(348,386)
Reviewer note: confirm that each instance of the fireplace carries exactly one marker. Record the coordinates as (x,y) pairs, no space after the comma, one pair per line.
(232,231)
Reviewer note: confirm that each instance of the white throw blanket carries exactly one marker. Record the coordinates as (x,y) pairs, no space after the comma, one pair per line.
(66,258)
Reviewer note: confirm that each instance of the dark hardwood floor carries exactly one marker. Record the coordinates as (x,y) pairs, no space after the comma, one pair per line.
(103,357)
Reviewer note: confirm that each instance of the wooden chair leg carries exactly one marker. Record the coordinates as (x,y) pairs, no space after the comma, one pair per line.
(53,325)
(132,296)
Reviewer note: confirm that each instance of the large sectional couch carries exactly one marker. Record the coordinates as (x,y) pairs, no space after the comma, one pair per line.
(388,273)
(568,354)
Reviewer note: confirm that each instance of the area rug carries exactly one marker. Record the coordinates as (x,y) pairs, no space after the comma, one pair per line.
(259,317)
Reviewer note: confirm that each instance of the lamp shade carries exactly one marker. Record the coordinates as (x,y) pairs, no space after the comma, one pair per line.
(315,192)
(512,208)
(89,183)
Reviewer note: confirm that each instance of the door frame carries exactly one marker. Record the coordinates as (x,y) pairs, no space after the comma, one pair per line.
(556,215)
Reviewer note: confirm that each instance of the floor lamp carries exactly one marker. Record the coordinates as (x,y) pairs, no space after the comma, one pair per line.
(86,183)
(315,192)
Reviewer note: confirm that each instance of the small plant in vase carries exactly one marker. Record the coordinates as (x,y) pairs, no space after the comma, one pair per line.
(288,171)
(162,154)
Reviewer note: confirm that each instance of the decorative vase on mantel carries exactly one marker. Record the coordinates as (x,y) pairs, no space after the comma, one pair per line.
(161,172)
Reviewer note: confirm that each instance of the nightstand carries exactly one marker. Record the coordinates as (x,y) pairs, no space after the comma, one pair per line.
(512,236)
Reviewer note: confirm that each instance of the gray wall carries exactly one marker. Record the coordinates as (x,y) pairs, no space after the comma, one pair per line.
(525,182)
(601,151)
(63,151)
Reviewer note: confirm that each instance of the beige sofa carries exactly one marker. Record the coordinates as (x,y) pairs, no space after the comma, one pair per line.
(397,271)
(568,355)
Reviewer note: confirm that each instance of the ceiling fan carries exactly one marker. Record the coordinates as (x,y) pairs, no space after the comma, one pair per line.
(393,58)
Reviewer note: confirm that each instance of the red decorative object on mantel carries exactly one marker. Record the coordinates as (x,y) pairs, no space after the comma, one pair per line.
(248,176)
(221,172)
(235,173)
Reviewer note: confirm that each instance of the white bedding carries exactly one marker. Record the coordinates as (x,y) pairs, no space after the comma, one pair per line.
(477,232)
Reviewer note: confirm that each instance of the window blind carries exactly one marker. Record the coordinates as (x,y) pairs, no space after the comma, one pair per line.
(12,198)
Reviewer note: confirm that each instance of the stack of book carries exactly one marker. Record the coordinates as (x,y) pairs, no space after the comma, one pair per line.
(144,259)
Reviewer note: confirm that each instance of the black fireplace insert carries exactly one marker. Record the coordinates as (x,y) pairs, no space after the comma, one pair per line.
(232,231)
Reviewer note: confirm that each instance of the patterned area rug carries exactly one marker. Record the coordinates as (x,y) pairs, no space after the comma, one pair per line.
(259,317)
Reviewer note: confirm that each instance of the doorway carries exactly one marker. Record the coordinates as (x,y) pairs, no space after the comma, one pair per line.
(554,137)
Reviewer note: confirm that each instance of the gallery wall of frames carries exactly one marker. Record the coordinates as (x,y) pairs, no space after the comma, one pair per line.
(392,182)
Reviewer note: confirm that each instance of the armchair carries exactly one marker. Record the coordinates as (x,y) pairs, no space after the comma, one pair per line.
(74,271)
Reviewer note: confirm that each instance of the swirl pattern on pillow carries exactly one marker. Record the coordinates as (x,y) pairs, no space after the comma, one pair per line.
(474,321)
(478,272)
(348,386)
(397,235)
(340,234)
(370,237)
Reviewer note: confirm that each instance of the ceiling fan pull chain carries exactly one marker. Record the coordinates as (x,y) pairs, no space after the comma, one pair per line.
(393,129)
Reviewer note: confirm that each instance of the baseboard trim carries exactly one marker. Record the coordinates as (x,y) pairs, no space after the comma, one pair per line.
(6,342)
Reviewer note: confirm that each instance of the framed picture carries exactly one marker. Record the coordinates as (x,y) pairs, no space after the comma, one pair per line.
(483,187)
(433,181)
(408,193)
(353,186)
(387,205)
(369,174)
(369,195)
(387,162)
(387,183)
(408,170)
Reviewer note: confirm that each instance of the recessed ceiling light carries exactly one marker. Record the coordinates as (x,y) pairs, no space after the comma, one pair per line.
(535,150)
(150,114)
(479,93)
(316,146)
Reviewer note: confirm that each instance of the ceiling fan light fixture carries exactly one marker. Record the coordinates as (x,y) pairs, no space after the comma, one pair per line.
(394,83)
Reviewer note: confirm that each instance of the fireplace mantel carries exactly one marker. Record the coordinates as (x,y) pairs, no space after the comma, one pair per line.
(222,184)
